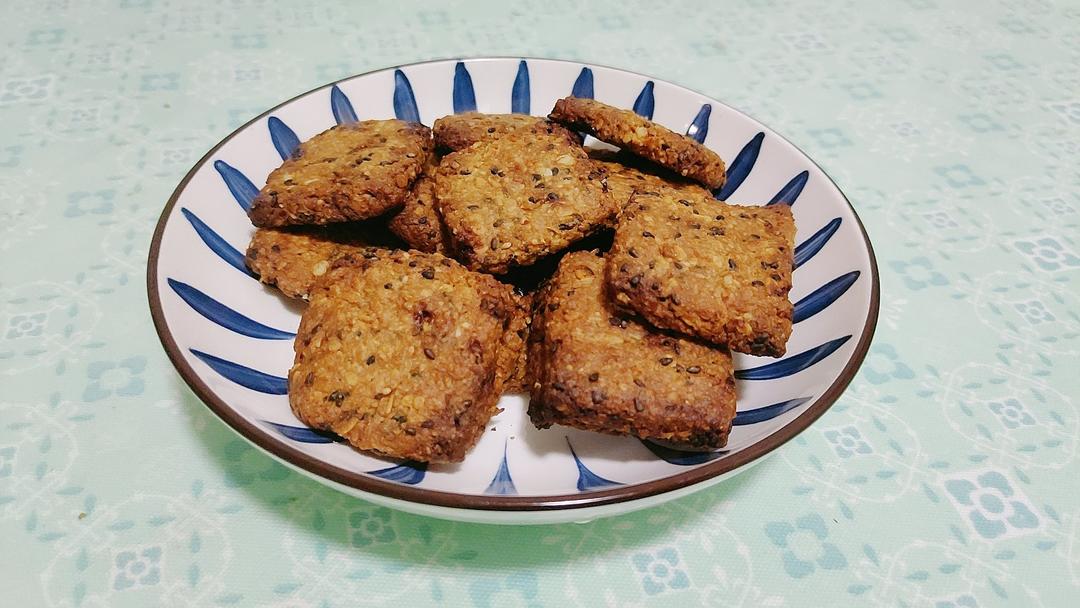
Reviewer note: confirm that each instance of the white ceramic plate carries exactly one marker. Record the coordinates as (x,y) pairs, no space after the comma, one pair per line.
(231,338)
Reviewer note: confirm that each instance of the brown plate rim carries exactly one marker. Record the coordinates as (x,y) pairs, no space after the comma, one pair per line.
(389,489)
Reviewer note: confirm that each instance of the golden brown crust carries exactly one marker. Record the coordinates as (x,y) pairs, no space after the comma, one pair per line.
(459,131)
(625,176)
(418,223)
(512,200)
(643,137)
(708,269)
(349,172)
(398,354)
(598,370)
(293,259)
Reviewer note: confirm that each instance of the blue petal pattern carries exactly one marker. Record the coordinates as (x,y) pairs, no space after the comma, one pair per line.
(217,244)
(645,103)
(699,128)
(404,101)
(502,484)
(823,296)
(587,480)
(793,364)
(341,107)
(583,86)
(464,95)
(768,412)
(285,141)
(520,94)
(809,248)
(682,457)
(409,472)
(239,185)
(225,316)
(791,191)
(245,376)
(741,166)
(303,434)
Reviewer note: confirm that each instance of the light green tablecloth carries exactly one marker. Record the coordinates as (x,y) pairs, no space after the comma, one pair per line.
(946,476)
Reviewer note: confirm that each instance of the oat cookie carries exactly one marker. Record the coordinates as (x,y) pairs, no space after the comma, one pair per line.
(643,137)
(349,172)
(511,364)
(293,259)
(398,354)
(627,174)
(512,200)
(418,223)
(599,370)
(708,269)
(458,131)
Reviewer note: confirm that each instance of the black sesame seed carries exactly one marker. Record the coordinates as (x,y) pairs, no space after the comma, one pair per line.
(371,360)
(632,252)
(731,263)
(430,354)
(756,283)
(337,397)
(428,273)
(593,377)
(666,361)
(635,280)
(693,369)
(647,234)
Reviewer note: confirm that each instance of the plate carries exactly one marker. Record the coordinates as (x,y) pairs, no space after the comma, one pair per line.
(230,337)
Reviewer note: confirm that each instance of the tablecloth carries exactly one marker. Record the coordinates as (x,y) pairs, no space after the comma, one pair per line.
(946,475)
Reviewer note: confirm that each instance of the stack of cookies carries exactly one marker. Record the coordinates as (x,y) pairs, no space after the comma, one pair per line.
(611,286)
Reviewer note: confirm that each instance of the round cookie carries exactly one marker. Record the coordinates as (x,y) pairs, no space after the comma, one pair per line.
(643,137)
(418,223)
(350,172)
(399,353)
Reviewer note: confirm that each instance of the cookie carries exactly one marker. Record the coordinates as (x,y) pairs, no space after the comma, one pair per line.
(350,172)
(511,364)
(627,174)
(643,137)
(708,269)
(512,200)
(293,259)
(458,131)
(599,370)
(418,223)
(398,354)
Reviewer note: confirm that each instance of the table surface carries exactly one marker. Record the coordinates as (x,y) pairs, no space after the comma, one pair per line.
(945,476)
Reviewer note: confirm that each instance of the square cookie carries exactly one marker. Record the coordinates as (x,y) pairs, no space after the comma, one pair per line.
(708,269)
(596,369)
(511,200)
(627,174)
